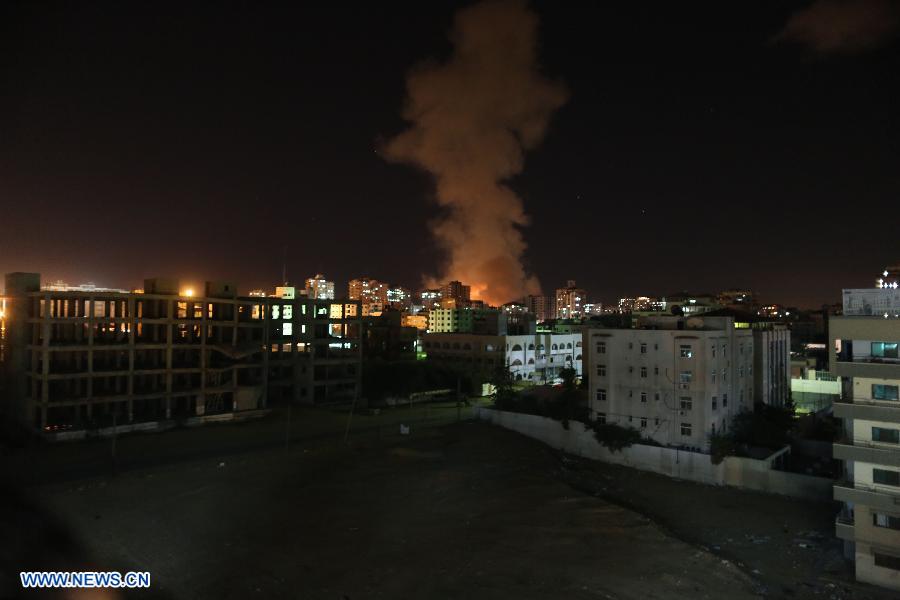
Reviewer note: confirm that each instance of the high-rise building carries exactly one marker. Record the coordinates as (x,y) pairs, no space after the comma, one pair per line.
(457,291)
(863,351)
(676,380)
(319,288)
(540,307)
(430,298)
(371,293)
(570,301)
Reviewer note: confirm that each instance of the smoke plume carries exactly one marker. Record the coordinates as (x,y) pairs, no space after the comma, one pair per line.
(472,118)
(843,26)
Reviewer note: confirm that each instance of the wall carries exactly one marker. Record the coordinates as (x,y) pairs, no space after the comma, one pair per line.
(744,473)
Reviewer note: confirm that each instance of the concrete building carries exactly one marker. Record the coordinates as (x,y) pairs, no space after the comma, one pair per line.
(77,358)
(541,307)
(537,357)
(455,290)
(864,353)
(319,288)
(771,363)
(570,301)
(676,380)
(371,293)
(487,321)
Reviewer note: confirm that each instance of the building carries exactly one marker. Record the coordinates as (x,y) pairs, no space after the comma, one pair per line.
(677,380)
(541,307)
(399,298)
(487,321)
(537,357)
(385,337)
(80,359)
(430,298)
(455,290)
(570,301)
(863,351)
(369,292)
(738,299)
(419,321)
(319,288)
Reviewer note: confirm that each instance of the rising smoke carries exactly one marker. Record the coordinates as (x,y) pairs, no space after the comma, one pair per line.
(472,118)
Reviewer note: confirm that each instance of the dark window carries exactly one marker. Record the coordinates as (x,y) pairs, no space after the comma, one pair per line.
(887,521)
(884,392)
(887,561)
(886,477)
(890,436)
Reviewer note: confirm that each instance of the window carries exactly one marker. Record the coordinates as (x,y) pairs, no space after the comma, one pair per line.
(644,372)
(685,376)
(724,400)
(287,329)
(656,346)
(884,349)
(888,436)
(601,395)
(686,429)
(885,477)
(643,422)
(656,370)
(656,421)
(643,396)
(656,396)
(714,403)
(601,347)
(887,561)
(713,375)
(884,392)
(643,348)
(630,345)
(741,371)
(601,370)
(686,404)
(888,521)
(630,369)
(687,352)
(601,418)
(713,348)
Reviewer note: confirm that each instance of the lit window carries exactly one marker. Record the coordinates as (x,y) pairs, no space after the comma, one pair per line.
(287,329)
(687,352)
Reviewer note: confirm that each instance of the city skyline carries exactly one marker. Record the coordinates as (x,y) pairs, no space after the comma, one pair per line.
(216,148)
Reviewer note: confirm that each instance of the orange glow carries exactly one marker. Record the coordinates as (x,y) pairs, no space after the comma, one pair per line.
(188,292)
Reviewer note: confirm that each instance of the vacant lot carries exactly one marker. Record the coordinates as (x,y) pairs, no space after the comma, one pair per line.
(460,511)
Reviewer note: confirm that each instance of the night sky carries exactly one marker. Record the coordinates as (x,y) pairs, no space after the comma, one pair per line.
(703,146)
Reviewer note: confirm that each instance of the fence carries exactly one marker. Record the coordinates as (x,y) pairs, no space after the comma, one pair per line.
(739,472)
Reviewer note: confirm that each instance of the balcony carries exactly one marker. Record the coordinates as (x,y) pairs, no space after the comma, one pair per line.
(844,528)
(867,495)
(872,410)
(867,451)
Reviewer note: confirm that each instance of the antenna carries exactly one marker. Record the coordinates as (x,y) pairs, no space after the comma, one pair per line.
(284,266)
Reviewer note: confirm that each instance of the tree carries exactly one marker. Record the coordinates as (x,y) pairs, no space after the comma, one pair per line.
(615,437)
(504,392)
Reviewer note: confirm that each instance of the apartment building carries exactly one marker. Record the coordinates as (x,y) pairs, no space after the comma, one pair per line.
(863,351)
(79,359)
(537,357)
(677,380)
(570,301)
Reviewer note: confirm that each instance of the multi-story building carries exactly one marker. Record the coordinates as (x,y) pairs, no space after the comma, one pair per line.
(319,288)
(430,298)
(570,301)
(864,353)
(77,359)
(489,321)
(677,380)
(737,299)
(457,291)
(538,357)
(399,298)
(368,291)
(541,307)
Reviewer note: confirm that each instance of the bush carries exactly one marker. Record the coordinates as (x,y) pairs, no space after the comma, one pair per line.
(721,446)
(615,437)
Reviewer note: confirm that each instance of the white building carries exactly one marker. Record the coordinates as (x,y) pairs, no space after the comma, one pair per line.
(864,352)
(535,357)
(676,380)
(319,288)
(570,301)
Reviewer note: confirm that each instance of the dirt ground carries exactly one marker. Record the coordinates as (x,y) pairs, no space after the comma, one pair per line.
(459,511)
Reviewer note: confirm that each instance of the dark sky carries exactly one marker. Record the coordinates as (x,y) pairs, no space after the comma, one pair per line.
(141,139)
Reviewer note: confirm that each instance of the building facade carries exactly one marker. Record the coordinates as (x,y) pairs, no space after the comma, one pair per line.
(864,353)
(541,307)
(81,359)
(570,301)
(536,357)
(319,288)
(676,380)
